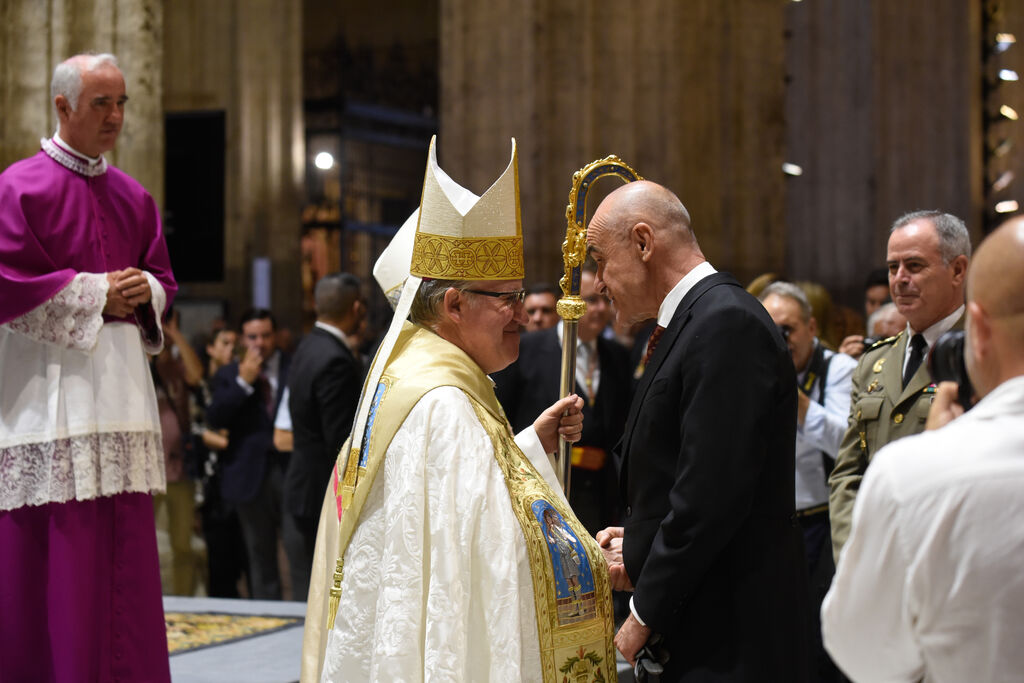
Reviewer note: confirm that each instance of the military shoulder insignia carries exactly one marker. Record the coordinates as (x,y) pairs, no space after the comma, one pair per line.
(883,342)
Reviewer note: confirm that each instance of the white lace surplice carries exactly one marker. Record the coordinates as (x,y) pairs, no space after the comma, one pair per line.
(78,416)
(437,583)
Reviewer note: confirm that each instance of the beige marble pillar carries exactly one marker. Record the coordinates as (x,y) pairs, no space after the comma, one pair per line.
(884,115)
(36,36)
(245,58)
(267,160)
(691,94)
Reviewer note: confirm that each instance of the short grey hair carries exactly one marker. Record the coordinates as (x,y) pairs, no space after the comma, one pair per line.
(429,301)
(881,313)
(954,239)
(67,77)
(789,291)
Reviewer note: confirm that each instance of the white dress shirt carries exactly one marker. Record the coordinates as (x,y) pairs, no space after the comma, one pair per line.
(932,333)
(588,365)
(930,585)
(675,296)
(822,430)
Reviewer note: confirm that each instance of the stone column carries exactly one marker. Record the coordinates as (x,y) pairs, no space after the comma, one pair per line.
(36,36)
(266,143)
(881,125)
(690,94)
(245,58)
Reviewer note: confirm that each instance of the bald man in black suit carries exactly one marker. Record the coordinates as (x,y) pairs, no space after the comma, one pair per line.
(709,545)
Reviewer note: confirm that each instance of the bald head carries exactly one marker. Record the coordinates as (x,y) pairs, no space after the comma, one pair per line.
(641,240)
(645,202)
(995,309)
(996,278)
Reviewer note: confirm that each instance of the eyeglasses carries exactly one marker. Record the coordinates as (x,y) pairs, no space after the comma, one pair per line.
(516,296)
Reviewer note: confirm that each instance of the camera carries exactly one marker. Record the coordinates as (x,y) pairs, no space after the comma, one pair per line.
(946,364)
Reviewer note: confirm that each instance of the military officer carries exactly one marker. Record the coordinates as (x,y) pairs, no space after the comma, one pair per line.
(927,260)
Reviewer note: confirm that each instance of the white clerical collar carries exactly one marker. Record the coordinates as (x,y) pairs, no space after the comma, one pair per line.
(675,296)
(70,158)
(335,332)
(92,161)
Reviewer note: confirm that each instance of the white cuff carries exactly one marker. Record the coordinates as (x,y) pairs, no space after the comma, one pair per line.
(633,610)
(246,387)
(153,338)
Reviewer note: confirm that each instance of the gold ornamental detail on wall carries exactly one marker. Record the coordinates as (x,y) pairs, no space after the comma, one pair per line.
(478,258)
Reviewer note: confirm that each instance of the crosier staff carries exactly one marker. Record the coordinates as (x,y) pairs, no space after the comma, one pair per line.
(571,307)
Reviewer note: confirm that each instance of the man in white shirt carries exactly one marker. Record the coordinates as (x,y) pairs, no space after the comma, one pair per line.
(929,585)
(892,390)
(823,377)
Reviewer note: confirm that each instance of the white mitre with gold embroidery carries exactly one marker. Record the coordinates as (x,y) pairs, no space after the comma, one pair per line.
(457,236)
(392,266)
(464,237)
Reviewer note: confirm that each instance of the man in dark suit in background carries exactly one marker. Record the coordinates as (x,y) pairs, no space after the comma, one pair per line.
(540,307)
(529,385)
(245,399)
(709,546)
(325,379)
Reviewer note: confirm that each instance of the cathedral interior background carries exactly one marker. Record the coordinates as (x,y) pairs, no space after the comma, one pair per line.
(284,139)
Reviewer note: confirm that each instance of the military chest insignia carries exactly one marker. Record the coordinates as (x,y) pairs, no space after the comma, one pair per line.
(873,385)
(878,365)
(930,389)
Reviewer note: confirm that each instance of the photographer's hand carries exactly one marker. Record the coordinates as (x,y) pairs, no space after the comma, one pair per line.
(944,408)
(853,345)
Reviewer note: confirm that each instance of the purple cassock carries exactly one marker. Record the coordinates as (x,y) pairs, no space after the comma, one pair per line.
(80,448)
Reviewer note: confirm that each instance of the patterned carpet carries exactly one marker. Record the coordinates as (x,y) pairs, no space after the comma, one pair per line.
(195,630)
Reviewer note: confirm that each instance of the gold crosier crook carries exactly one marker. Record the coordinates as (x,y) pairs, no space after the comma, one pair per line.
(571,307)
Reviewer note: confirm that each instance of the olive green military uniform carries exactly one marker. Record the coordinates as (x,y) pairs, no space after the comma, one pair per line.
(881,410)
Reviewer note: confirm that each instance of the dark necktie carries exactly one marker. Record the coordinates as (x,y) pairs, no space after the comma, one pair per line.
(653,342)
(917,347)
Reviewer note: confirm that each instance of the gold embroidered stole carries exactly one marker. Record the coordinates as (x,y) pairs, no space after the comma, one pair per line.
(571,588)
(570,580)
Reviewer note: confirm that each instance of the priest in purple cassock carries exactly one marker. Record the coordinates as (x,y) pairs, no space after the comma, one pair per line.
(84,281)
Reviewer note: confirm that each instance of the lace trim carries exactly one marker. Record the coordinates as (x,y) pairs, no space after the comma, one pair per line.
(72,318)
(81,468)
(70,161)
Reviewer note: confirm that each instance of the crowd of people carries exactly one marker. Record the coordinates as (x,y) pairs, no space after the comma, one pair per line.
(762,490)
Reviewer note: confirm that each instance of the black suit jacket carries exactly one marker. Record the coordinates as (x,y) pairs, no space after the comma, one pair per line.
(250,431)
(531,384)
(707,477)
(324,383)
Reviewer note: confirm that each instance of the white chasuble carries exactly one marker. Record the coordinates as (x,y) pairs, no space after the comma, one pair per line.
(462,563)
